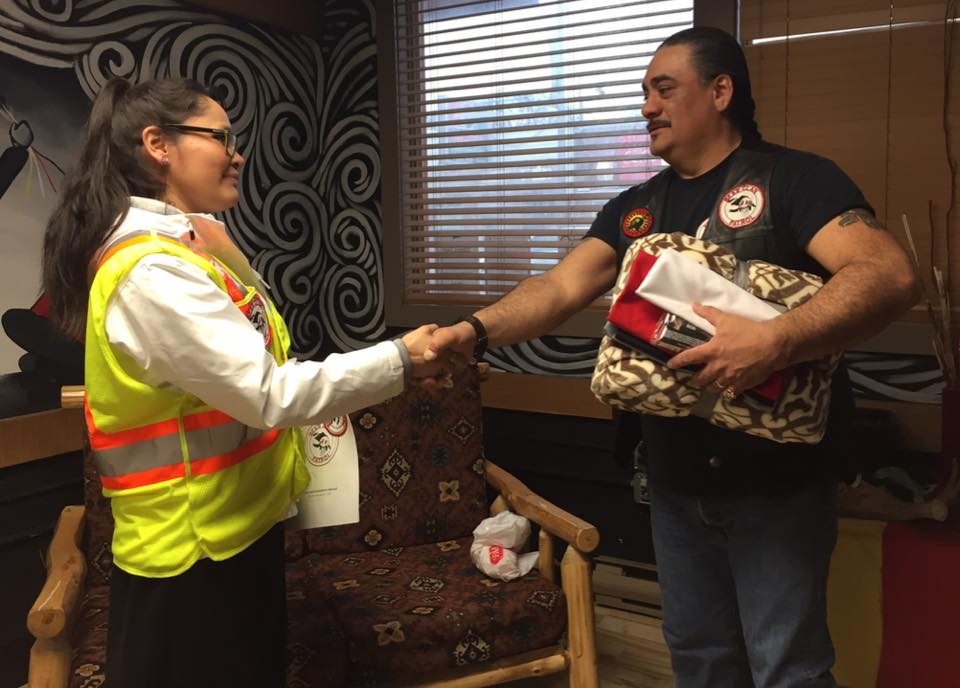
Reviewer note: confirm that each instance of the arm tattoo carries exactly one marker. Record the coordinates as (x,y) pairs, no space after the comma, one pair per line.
(859,215)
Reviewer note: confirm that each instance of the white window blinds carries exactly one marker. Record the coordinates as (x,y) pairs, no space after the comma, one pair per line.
(516,121)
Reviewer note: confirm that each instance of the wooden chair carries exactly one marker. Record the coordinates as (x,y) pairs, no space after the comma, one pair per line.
(347,625)
(31,437)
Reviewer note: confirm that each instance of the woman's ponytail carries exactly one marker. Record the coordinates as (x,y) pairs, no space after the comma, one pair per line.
(96,193)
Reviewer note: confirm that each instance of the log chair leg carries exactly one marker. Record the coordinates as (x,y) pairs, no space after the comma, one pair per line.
(50,663)
(578,588)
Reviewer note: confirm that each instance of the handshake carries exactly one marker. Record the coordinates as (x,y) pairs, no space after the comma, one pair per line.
(435,352)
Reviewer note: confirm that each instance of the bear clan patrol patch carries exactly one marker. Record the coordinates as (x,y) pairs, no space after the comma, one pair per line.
(741,206)
(256,312)
(637,222)
(337,427)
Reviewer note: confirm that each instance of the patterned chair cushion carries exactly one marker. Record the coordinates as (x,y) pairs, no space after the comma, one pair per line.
(90,653)
(414,610)
(421,471)
(399,588)
(90,631)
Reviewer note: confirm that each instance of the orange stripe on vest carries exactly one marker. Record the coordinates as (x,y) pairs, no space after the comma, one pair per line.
(100,440)
(141,478)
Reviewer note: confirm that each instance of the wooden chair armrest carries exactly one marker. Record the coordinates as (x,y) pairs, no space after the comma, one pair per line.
(52,611)
(549,517)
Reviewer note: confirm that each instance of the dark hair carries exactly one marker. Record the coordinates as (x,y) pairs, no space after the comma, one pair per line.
(95,197)
(716,52)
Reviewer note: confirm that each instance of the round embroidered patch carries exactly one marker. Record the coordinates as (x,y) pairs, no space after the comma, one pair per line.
(637,222)
(256,313)
(337,426)
(741,206)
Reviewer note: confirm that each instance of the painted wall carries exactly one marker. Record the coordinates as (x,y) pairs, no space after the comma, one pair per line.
(306,114)
(51,109)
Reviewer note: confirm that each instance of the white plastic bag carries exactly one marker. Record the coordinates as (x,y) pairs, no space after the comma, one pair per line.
(496,542)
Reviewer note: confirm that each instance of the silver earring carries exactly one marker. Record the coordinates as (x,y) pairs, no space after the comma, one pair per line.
(164,161)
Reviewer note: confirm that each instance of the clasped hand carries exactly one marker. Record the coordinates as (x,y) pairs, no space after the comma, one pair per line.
(741,354)
(428,368)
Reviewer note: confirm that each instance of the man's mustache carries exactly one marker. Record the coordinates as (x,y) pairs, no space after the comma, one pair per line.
(657,124)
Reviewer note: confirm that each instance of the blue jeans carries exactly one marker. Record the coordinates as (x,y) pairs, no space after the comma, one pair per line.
(744,585)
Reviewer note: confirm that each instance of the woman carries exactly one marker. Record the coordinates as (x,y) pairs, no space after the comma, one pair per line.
(188,387)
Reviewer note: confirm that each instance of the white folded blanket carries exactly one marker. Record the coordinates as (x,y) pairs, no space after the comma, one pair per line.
(676,282)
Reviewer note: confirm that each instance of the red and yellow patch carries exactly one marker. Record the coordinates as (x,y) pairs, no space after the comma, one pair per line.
(637,222)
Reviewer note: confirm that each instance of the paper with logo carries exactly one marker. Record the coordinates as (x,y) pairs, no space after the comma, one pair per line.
(333,496)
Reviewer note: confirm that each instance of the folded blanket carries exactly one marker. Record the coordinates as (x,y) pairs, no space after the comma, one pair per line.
(631,374)
(671,282)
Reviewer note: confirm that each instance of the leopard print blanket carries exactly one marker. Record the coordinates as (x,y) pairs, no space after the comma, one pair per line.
(633,381)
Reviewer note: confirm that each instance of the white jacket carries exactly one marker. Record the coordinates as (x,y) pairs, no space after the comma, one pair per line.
(176,327)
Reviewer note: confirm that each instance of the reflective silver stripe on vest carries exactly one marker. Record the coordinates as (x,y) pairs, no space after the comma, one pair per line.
(159,452)
(140,456)
(219,439)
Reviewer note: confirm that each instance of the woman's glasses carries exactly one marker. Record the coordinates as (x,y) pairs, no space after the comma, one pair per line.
(225,136)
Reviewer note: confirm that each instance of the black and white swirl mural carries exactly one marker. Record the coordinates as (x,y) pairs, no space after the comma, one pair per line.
(307,115)
(305,112)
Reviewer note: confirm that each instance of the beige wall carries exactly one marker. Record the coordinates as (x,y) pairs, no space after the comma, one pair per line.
(873,102)
(56,118)
(19,260)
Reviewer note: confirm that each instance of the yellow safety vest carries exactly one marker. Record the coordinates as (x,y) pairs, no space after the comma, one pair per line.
(185,480)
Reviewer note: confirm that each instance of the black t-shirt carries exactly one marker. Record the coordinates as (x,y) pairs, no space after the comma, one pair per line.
(689,454)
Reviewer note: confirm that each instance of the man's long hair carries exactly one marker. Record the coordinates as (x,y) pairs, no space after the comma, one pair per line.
(715,52)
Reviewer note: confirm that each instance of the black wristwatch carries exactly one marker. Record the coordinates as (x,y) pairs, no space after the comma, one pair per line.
(480,348)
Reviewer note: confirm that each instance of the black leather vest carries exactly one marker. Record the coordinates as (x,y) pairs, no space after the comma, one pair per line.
(742,217)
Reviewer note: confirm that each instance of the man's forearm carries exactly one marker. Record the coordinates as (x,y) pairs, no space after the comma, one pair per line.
(856,303)
(533,308)
(538,304)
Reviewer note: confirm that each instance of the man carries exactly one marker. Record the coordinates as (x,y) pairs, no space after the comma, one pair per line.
(743,527)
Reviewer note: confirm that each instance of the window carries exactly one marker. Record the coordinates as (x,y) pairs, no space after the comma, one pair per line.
(506,127)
